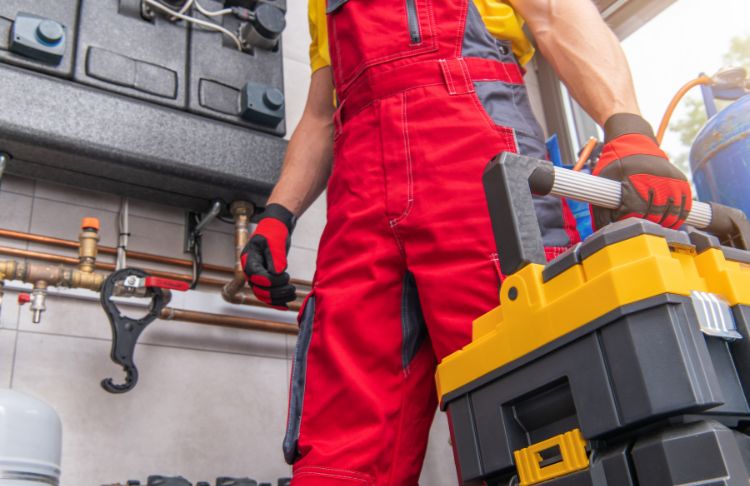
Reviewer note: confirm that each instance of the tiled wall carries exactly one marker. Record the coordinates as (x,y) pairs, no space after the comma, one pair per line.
(211,401)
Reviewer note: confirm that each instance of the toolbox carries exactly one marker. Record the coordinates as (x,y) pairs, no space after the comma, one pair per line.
(624,361)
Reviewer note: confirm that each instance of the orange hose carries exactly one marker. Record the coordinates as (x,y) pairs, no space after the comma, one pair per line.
(673,104)
(585,153)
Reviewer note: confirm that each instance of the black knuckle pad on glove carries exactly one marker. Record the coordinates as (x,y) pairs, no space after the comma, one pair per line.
(283,295)
(255,263)
(279,279)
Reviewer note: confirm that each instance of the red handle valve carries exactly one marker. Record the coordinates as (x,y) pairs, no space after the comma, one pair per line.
(165,283)
(23,298)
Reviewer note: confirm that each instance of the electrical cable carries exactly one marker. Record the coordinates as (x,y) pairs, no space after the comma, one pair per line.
(193,20)
(186,6)
(124,233)
(209,13)
(196,253)
(197,257)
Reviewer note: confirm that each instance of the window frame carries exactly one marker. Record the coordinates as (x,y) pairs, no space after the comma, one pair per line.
(563,115)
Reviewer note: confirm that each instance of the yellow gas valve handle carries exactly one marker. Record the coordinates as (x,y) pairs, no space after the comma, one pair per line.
(572,453)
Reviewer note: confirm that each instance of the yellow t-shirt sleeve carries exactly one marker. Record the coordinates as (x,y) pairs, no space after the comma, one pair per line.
(504,23)
(316,16)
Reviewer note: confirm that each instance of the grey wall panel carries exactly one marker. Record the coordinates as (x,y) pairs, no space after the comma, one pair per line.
(90,134)
(120,51)
(219,71)
(63,11)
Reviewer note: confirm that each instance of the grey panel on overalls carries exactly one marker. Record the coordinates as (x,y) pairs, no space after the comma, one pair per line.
(414,335)
(508,105)
(299,378)
(413,327)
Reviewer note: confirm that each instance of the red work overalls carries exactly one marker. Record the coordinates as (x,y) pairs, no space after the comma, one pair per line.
(407,259)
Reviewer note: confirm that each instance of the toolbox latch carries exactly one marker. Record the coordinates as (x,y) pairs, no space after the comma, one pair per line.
(714,315)
(551,458)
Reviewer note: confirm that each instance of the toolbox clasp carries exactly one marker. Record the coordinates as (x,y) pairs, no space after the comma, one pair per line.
(551,458)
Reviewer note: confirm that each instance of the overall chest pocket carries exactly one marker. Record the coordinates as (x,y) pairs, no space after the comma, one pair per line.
(363,33)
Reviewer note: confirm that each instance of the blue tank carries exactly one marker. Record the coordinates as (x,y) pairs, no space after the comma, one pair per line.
(720,157)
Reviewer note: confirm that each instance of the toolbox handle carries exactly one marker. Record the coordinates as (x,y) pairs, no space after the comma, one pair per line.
(510,179)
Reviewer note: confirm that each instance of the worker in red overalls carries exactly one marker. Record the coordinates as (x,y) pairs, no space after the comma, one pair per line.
(427,92)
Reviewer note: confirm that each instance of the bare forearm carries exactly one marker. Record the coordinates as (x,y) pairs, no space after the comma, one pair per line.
(307,163)
(584,52)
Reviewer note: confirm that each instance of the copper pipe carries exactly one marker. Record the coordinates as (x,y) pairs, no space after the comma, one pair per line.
(247,297)
(48,257)
(54,275)
(235,291)
(137,255)
(241,211)
(171,314)
(43,276)
(585,154)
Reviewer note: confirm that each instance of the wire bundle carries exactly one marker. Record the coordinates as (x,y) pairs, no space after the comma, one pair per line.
(181,14)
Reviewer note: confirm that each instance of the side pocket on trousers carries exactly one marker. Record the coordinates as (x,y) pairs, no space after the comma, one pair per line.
(299,374)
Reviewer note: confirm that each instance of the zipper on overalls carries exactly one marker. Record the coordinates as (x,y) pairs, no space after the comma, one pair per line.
(412,19)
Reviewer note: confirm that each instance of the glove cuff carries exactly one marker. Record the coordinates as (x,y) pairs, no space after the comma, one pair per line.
(626,124)
(277,211)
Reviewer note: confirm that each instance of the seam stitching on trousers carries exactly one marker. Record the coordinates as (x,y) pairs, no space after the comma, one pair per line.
(399,243)
(302,473)
(338,56)
(409,173)
(461,29)
(448,77)
(483,112)
(399,431)
(387,95)
(468,85)
(347,83)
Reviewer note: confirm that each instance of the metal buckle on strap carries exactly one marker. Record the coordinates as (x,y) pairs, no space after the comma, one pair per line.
(456,76)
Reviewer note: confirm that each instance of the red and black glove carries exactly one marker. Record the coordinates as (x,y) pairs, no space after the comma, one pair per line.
(264,257)
(652,188)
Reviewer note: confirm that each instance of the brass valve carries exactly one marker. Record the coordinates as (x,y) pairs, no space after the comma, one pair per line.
(89,239)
